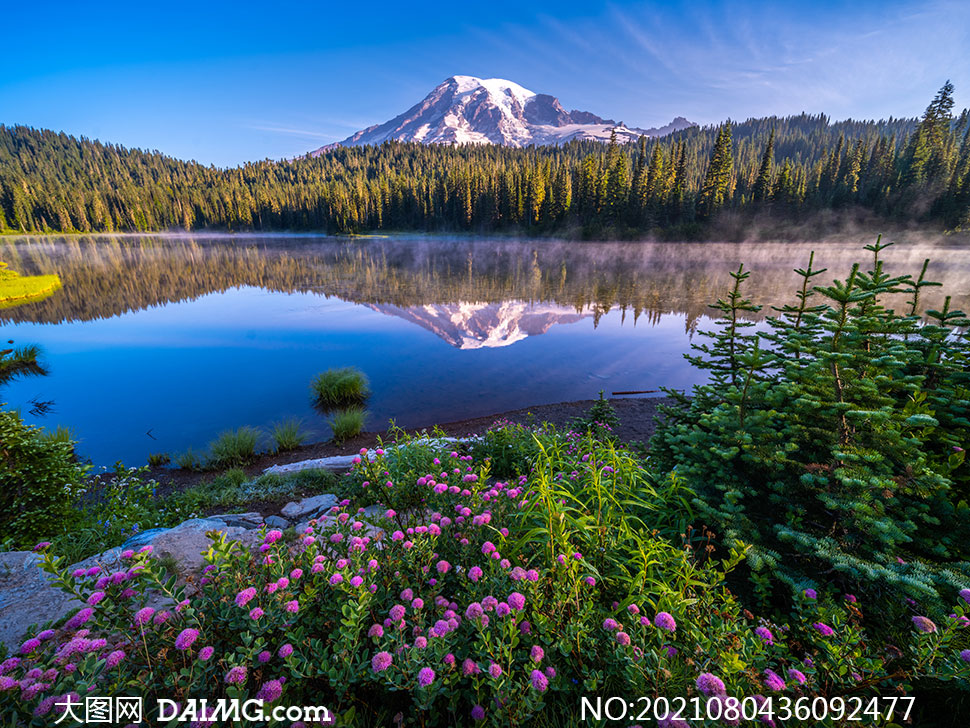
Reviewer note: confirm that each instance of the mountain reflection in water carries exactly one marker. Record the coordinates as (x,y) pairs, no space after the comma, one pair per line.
(185,336)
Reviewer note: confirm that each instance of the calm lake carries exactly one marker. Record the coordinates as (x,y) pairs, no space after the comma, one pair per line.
(159,343)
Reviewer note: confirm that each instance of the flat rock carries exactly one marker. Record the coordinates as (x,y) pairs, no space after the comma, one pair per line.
(188,541)
(277,522)
(344,462)
(27,596)
(308,507)
(251,519)
(143,538)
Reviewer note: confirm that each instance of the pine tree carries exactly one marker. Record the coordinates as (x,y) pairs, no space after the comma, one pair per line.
(762,185)
(718,178)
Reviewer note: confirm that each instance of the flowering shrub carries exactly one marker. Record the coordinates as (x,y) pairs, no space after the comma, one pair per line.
(486,602)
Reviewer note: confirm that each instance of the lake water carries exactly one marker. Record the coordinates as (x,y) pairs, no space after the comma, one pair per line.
(158,343)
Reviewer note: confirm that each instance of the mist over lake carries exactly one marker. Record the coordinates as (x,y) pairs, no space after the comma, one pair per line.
(159,343)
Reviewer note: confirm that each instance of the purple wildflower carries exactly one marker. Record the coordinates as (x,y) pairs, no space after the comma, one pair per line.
(824,629)
(797,675)
(765,634)
(271,690)
(236,675)
(539,681)
(623,638)
(478,713)
(811,594)
(206,652)
(80,618)
(376,630)
(470,667)
(256,613)
(710,684)
(186,638)
(664,620)
(516,601)
(773,681)
(285,650)
(245,596)
(924,624)
(381,661)
(263,657)
(113,659)
(29,646)
(537,653)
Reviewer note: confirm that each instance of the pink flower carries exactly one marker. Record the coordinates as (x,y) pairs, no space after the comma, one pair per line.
(273,536)
(811,594)
(263,657)
(709,684)
(478,713)
(536,653)
(924,625)
(381,661)
(270,691)
(95,598)
(488,547)
(245,596)
(539,681)
(590,581)
(285,650)
(143,616)
(443,567)
(293,606)
(773,681)
(236,675)
(474,573)
(797,675)
(516,601)
(256,613)
(470,667)
(397,613)
(765,634)
(824,629)
(113,659)
(206,652)
(664,620)
(376,630)
(336,579)
(80,618)
(29,646)
(425,676)
(186,638)
(623,638)
(495,670)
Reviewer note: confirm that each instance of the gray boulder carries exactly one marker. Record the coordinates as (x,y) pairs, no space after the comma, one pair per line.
(252,519)
(309,507)
(277,522)
(27,597)
(187,542)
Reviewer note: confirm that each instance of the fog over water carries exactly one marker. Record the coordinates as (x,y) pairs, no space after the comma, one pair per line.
(157,343)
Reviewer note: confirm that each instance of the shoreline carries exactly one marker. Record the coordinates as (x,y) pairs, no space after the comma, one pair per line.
(636,416)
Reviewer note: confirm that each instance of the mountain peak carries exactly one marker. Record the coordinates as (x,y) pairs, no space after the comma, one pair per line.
(472,110)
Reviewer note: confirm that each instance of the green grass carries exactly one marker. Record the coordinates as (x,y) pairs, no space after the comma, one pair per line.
(232,489)
(347,423)
(58,434)
(157,459)
(234,447)
(190,460)
(287,435)
(16,289)
(340,387)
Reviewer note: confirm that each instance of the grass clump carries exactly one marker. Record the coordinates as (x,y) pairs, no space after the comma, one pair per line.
(287,435)
(158,459)
(190,460)
(234,447)
(347,423)
(340,387)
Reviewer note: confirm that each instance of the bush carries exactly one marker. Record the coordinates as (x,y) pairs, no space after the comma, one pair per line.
(234,447)
(438,620)
(287,435)
(833,442)
(340,387)
(39,481)
(347,423)
(601,418)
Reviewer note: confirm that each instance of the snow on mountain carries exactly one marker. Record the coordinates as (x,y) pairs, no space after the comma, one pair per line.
(485,325)
(470,110)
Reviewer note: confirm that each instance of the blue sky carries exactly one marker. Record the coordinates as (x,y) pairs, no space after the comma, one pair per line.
(226,82)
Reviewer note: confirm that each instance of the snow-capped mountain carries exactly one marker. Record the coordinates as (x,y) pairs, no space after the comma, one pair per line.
(485,325)
(469,110)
